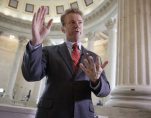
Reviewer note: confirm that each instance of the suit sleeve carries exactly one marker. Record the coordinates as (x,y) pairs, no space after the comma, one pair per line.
(102,89)
(34,63)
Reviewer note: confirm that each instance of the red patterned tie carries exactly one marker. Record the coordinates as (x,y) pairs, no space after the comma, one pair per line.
(75,56)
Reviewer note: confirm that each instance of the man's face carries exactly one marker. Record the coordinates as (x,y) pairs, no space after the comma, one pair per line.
(73,27)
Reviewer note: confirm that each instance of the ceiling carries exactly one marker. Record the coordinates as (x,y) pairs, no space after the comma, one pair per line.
(24,9)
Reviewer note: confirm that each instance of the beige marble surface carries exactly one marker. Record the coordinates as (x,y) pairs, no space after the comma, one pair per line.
(117,112)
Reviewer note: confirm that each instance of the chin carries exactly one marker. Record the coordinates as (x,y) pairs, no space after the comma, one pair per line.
(77,39)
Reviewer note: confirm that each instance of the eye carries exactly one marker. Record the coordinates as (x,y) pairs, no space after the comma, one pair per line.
(80,22)
(73,22)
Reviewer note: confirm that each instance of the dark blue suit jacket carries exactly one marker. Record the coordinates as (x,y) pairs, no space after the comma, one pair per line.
(66,95)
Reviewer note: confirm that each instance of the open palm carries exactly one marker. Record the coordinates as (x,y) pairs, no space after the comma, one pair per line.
(93,69)
(39,29)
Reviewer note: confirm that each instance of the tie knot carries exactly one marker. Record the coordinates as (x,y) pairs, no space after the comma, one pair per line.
(75,46)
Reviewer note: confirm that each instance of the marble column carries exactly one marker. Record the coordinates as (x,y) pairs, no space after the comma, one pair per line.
(41,88)
(15,67)
(35,94)
(111,51)
(91,39)
(133,77)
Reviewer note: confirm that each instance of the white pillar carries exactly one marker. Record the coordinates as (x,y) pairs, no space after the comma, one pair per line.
(91,39)
(133,79)
(15,67)
(35,94)
(112,44)
(41,88)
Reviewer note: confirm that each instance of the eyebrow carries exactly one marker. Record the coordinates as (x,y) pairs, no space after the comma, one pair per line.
(78,20)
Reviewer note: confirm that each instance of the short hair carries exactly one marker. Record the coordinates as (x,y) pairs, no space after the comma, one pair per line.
(68,11)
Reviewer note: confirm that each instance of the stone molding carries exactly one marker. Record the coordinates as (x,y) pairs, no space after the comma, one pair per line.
(11,24)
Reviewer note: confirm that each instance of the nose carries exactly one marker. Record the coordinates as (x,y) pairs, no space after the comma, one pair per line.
(76,24)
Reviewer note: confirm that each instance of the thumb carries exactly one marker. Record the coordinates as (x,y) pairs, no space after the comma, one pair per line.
(104,64)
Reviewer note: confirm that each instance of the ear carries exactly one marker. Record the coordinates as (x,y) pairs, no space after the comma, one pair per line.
(63,29)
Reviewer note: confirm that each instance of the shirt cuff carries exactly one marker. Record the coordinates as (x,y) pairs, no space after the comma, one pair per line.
(33,47)
(95,87)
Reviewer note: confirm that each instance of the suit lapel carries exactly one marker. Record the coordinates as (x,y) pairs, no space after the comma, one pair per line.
(64,52)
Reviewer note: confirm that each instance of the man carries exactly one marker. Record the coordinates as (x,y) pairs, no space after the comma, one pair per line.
(72,71)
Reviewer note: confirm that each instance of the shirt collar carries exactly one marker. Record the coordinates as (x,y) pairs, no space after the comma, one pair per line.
(69,44)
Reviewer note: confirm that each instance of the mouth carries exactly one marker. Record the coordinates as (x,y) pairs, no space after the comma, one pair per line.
(76,30)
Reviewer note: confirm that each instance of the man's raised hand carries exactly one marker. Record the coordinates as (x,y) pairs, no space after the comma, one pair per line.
(39,29)
(93,69)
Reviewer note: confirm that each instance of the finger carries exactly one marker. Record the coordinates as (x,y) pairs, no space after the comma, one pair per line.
(91,62)
(33,23)
(87,56)
(83,67)
(34,19)
(42,10)
(38,14)
(104,64)
(42,15)
(90,59)
(86,63)
(49,25)
(45,10)
(98,63)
